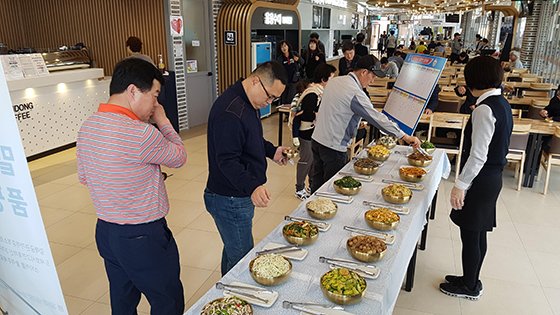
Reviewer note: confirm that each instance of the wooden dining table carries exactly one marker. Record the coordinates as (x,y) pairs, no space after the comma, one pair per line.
(539,130)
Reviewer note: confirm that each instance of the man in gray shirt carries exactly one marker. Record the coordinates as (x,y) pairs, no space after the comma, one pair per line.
(343,105)
(456,47)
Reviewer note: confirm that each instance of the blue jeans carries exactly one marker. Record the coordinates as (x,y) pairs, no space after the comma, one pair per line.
(234,218)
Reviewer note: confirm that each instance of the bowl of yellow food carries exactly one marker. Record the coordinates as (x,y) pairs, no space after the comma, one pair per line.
(396,193)
(382,219)
(343,286)
(379,153)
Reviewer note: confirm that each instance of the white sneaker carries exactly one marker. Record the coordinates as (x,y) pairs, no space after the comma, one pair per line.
(302,194)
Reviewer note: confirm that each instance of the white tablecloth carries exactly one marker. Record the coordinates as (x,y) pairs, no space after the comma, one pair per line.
(381,293)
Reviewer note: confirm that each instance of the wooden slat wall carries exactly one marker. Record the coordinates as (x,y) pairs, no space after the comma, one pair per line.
(103,25)
(11,31)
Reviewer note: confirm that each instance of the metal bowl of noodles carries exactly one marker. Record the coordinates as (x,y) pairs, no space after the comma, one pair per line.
(270,269)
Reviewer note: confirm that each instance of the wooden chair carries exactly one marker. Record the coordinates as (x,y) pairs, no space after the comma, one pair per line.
(531,79)
(378,101)
(458,122)
(517,146)
(461,81)
(534,112)
(378,92)
(516,113)
(550,157)
(448,105)
(449,89)
(523,70)
(355,147)
(379,83)
(444,81)
(527,93)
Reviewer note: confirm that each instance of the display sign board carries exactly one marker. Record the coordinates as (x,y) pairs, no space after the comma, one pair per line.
(230,38)
(28,280)
(176,25)
(12,68)
(274,19)
(412,90)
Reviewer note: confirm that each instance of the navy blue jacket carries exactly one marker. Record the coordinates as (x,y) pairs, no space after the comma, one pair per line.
(237,151)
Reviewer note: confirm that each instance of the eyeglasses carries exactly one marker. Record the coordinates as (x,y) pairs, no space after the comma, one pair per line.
(272,98)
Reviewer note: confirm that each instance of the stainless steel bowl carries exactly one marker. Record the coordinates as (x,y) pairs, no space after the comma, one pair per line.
(380,158)
(342,299)
(365,170)
(269,281)
(250,311)
(300,241)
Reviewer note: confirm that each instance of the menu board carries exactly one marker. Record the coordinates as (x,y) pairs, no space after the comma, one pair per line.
(412,90)
(24,66)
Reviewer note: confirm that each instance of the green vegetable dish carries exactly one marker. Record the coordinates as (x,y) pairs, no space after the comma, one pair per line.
(301,229)
(427,145)
(344,282)
(347,182)
(227,306)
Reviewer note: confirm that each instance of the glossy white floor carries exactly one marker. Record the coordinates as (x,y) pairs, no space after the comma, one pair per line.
(520,275)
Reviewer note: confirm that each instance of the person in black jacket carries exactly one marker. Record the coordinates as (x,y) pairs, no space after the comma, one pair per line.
(360,49)
(237,153)
(553,108)
(470,101)
(313,56)
(349,61)
(292,63)
(433,101)
(475,194)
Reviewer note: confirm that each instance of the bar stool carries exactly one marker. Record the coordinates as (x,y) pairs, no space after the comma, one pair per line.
(551,156)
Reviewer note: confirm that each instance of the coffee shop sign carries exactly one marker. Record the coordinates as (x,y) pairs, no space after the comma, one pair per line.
(271,18)
(335,3)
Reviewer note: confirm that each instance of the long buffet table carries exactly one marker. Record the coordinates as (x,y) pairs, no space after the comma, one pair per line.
(381,293)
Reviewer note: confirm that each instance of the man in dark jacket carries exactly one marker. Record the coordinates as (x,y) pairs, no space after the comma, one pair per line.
(237,155)
(349,61)
(360,49)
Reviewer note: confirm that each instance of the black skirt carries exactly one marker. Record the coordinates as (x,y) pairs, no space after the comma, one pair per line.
(479,210)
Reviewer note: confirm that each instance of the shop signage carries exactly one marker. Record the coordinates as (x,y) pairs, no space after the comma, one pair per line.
(28,280)
(271,18)
(334,3)
(230,38)
(23,111)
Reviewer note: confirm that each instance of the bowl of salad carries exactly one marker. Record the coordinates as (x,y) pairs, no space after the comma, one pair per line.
(428,147)
(300,233)
(227,306)
(270,269)
(342,286)
(347,185)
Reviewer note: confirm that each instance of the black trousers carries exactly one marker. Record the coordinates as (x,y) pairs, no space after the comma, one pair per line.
(474,250)
(326,163)
(141,258)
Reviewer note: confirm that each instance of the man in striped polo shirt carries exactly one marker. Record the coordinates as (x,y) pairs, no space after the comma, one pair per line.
(119,156)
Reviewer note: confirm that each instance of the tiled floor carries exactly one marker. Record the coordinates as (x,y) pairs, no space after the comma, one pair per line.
(521,273)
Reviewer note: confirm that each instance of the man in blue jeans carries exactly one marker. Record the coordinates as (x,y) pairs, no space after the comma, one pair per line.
(237,155)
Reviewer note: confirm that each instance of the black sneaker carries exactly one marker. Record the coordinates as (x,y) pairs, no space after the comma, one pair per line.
(456,279)
(459,290)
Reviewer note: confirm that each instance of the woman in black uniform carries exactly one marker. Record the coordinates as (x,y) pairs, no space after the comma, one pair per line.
(476,191)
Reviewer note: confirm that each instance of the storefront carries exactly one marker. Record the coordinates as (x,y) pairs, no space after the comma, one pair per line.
(334,20)
(245,28)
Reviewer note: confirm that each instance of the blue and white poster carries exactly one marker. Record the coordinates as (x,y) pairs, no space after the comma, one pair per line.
(412,90)
(29,283)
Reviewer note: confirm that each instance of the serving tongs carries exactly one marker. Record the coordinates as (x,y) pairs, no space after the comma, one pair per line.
(335,197)
(361,178)
(423,152)
(389,239)
(224,286)
(394,208)
(301,306)
(322,226)
(411,186)
(241,293)
(277,250)
(350,265)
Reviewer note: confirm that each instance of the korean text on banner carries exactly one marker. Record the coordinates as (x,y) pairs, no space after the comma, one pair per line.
(28,280)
